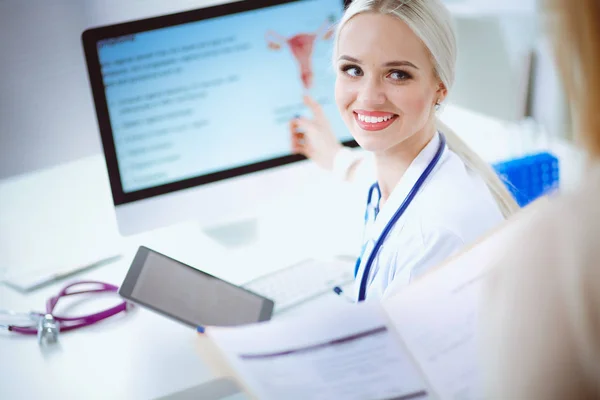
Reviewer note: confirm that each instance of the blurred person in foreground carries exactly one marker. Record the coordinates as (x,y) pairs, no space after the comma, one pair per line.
(541,309)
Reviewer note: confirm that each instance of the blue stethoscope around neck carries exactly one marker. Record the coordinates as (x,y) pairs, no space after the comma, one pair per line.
(362,292)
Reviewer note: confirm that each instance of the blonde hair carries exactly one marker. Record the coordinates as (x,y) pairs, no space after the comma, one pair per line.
(575,30)
(430,20)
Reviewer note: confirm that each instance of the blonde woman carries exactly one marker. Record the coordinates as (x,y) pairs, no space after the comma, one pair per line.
(541,317)
(432,195)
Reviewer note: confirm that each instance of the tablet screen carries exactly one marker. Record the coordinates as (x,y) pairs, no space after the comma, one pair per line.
(190,295)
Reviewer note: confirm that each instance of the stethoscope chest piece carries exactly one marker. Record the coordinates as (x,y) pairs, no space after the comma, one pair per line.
(48,330)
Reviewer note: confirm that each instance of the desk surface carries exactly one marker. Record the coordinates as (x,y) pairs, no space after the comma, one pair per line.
(136,356)
(64,215)
(139,355)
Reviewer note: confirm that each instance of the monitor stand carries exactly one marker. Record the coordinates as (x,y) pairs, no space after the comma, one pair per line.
(269,224)
(236,234)
(236,250)
(272,237)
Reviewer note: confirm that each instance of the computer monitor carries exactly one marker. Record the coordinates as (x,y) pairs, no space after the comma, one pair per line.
(194,108)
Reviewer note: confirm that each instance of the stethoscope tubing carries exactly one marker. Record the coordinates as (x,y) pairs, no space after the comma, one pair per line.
(71,323)
(399,212)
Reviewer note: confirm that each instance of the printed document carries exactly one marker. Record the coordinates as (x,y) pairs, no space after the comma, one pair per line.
(353,356)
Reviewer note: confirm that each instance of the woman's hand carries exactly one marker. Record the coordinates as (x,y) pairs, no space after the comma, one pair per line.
(314,138)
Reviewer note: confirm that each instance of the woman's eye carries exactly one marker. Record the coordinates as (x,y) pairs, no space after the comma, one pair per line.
(399,76)
(352,70)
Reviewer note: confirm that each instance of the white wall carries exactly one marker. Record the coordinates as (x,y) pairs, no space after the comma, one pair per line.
(548,104)
(45,110)
(493,63)
(496,40)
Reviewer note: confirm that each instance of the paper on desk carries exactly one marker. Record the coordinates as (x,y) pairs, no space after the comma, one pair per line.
(342,353)
(437,318)
(31,280)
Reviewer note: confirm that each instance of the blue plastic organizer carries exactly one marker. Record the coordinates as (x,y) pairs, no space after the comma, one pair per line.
(529,177)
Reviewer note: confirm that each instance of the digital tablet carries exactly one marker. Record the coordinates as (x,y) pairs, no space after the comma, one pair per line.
(188,295)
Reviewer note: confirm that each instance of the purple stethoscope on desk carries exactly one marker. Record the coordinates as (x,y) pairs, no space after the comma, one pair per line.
(47,326)
(362,292)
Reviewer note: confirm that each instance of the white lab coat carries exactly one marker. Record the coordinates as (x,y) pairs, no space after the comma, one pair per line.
(453,208)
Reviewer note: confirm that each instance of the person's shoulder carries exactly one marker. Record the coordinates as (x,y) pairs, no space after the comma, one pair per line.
(557,235)
(457,187)
(546,277)
(571,221)
(458,200)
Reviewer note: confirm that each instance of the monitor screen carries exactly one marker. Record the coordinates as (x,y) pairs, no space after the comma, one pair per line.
(206,95)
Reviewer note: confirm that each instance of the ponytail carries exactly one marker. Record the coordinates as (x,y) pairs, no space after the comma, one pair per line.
(497,187)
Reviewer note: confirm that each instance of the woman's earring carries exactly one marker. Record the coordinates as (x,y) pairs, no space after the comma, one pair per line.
(437,105)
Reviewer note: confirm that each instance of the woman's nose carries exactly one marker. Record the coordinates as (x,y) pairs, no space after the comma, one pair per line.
(371,92)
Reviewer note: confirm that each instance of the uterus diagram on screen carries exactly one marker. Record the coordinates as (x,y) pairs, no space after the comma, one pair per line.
(301,45)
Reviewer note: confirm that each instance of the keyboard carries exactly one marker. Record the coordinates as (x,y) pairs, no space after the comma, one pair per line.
(303,281)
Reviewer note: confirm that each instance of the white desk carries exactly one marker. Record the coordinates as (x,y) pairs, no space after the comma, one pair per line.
(65,214)
(140,355)
(67,210)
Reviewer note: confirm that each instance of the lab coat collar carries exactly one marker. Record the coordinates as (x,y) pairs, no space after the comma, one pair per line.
(405,185)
